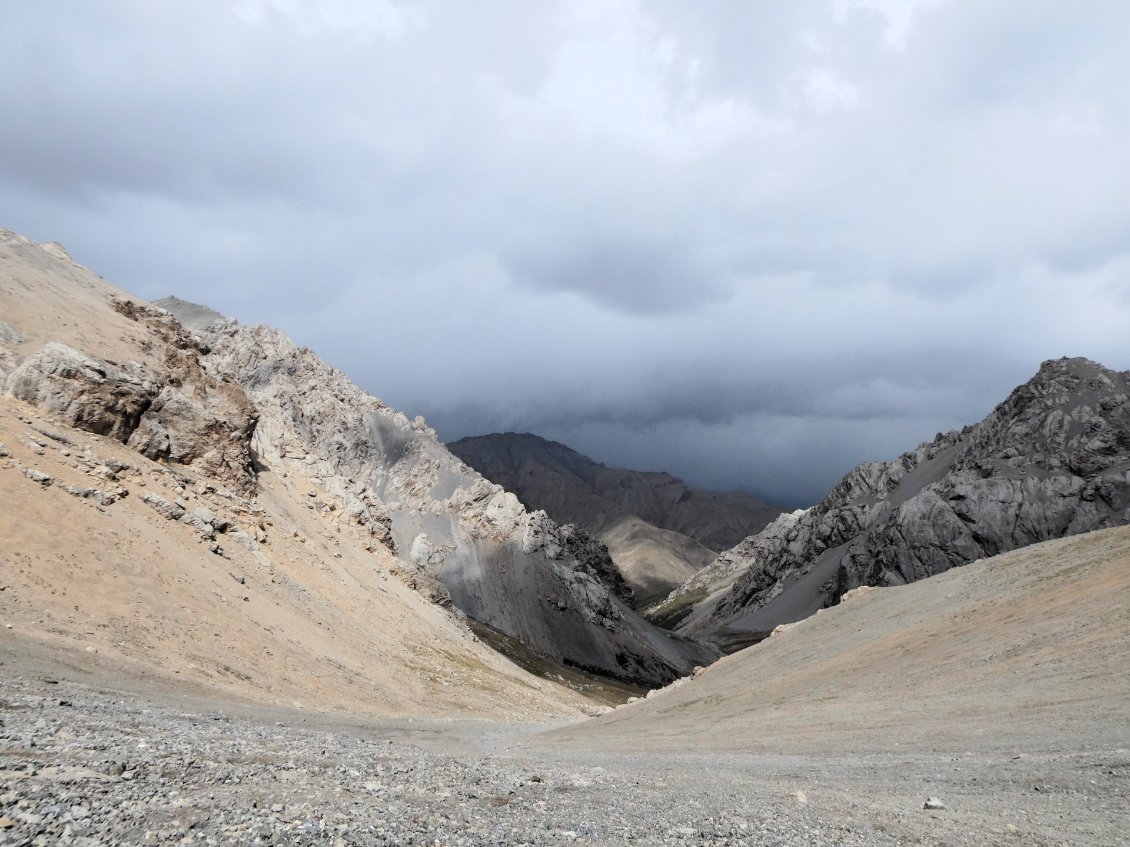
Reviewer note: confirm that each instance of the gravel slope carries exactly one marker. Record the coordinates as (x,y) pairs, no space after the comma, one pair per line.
(999,689)
(82,765)
(1028,649)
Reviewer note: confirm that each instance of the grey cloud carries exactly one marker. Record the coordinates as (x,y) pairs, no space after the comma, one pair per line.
(752,245)
(625,273)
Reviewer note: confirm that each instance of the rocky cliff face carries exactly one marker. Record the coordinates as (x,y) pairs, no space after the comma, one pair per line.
(1051,460)
(458,535)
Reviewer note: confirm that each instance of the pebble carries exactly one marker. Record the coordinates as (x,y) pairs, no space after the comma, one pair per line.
(121,770)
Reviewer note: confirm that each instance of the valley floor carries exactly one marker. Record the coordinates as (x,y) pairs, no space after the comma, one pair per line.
(85,762)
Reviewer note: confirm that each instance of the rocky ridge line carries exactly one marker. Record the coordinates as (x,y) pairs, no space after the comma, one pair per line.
(1052,460)
(550,586)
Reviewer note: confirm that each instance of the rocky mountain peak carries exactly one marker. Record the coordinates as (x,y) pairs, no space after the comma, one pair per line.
(1052,459)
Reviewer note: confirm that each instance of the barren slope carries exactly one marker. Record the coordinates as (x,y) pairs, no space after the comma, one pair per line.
(653,561)
(134,524)
(1029,648)
(308,617)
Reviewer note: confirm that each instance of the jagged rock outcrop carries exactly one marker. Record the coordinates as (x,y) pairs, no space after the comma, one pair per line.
(552,587)
(172,412)
(82,391)
(1051,460)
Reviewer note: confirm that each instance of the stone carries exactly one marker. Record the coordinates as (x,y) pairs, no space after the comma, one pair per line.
(42,478)
(200,519)
(172,510)
(933,803)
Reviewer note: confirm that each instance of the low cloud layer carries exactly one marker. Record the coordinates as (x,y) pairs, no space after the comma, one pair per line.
(752,246)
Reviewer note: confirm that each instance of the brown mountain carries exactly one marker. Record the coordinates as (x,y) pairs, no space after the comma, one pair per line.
(259,476)
(658,529)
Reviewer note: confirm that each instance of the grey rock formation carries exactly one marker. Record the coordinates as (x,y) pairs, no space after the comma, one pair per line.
(174,511)
(1051,460)
(550,586)
(82,391)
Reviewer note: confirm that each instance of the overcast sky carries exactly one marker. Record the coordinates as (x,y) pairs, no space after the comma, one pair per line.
(752,243)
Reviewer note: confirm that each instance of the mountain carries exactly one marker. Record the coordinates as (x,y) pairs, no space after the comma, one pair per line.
(1052,460)
(658,529)
(137,534)
(653,561)
(1021,650)
(239,425)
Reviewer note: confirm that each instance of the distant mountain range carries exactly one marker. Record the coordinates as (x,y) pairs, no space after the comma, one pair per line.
(659,530)
(1052,460)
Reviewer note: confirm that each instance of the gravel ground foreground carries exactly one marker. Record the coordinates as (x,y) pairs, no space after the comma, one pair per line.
(82,766)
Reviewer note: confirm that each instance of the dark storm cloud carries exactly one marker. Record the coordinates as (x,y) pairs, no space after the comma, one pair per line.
(751,244)
(642,276)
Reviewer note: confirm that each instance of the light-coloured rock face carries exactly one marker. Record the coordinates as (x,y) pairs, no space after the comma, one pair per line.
(83,392)
(166,407)
(136,529)
(1052,460)
(552,587)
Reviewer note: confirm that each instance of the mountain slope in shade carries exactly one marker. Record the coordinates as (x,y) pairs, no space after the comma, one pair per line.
(652,560)
(1051,460)
(548,475)
(658,529)
(1025,648)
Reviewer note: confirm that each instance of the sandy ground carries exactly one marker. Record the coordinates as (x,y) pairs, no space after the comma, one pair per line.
(1030,649)
(309,618)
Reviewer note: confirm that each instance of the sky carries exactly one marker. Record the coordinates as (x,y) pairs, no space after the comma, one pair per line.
(750,243)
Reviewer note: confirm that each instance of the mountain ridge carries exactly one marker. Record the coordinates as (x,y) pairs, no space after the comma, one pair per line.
(598,492)
(234,407)
(658,529)
(1052,459)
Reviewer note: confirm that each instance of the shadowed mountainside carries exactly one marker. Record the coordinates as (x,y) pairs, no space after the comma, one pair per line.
(1052,460)
(658,529)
